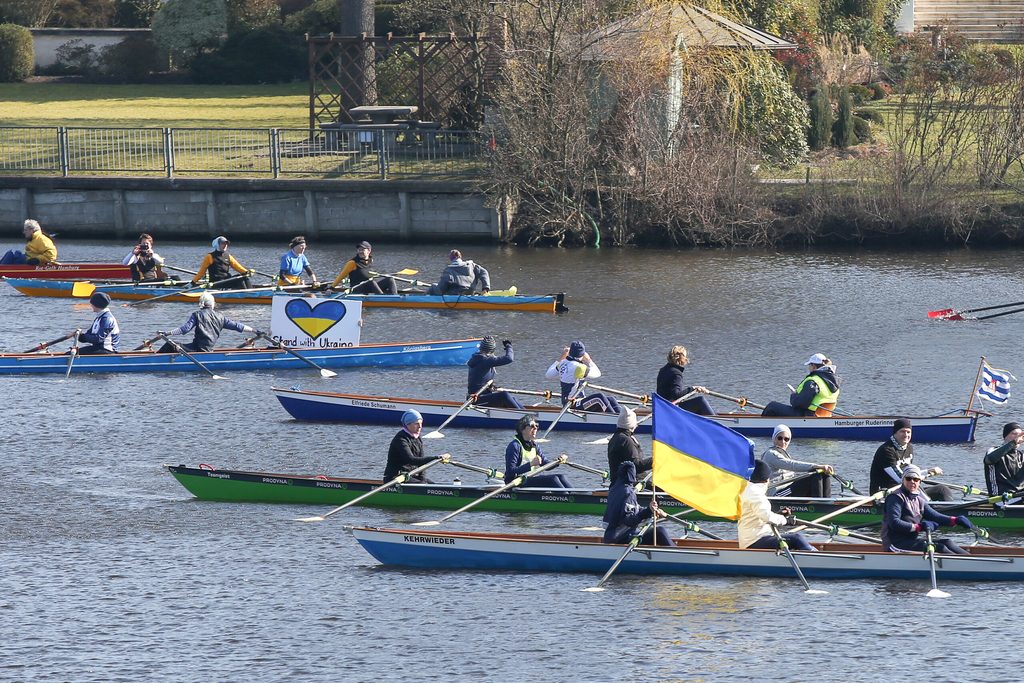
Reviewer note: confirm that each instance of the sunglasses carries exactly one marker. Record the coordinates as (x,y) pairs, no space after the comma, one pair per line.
(783,438)
(911,479)
(533,425)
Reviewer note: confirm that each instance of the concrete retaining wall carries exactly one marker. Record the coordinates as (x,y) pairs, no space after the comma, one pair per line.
(413,211)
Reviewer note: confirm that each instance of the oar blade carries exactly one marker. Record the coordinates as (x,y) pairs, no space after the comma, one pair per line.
(327,374)
(815,591)
(310,519)
(936,593)
(599,442)
(82,289)
(592,589)
(218,377)
(430,523)
(941,314)
(433,435)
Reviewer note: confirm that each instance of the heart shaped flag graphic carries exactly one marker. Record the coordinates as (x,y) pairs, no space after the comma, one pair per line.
(317,319)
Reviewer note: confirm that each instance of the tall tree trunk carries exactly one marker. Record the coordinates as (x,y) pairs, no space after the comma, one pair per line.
(357,71)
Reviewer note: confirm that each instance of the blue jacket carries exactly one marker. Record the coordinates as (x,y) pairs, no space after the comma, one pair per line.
(481,368)
(623,513)
(103,332)
(903,510)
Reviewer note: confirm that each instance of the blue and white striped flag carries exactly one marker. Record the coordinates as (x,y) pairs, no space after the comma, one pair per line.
(995,384)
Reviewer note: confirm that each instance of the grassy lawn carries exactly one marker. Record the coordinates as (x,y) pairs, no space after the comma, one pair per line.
(142,106)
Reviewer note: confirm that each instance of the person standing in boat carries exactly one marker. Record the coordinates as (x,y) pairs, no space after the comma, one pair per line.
(623,513)
(671,385)
(624,447)
(817,395)
(360,277)
(146,264)
(817,485)
(754,526)
(39,248)
(1004,464)
(522,455)
(894,455)
(217,266)
(104,336)
(907,514)
(574,366)
(294,263)
(208,325)
(481,370)
(461,277)
(406,450)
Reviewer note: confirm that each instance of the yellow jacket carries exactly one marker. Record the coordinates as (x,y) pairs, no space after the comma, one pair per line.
(41,248)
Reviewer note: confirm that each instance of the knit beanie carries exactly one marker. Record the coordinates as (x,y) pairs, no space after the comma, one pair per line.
(901,423)
(627,420)
(762,472)
(488,344)
(99,299)
(1009,427)
(576,350)
(410,416)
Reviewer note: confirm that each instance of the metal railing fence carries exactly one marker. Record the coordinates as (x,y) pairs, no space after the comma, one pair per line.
(365,152)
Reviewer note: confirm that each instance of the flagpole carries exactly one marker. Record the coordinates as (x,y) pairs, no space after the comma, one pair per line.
(974,390)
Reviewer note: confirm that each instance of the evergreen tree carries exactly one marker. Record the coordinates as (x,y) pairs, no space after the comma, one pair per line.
(844,132)
(820,134)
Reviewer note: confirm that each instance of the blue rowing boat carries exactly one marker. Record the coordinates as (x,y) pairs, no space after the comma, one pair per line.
(433,353)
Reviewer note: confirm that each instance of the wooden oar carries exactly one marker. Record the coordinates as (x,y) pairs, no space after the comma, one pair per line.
(633,543)
(834,530)
(512,484)
(490,473)
(83,288)
(182,351)
(956,314)
(72,353)
(784,547)
(601,473)
(436,434)
(930,554)
(685,397)
(323,372)
(877,495)
(445,457)
(546,395)
(44,345)
(643,398)
(395,275)
(568,404)
(146,344)
(741,401)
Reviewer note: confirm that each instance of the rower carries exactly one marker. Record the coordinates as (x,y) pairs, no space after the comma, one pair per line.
(294,263)
(522,455)
(816,395)
(39,248)
(481,371)
(461,277)
(754,526)
(406,450)
(817,485)
(571,368)
(894,455)
(217,265)
(671,385)
(907,513)
(1004,464)
(208,325)
(623,513)
(104,336)
(360,277)
(624,446)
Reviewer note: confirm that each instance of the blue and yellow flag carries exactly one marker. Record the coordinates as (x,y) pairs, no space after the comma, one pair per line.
(699,461)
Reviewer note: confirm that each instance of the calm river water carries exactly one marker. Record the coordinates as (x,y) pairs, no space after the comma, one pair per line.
(110,571)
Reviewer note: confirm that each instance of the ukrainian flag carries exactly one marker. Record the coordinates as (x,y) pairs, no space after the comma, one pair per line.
(699,461)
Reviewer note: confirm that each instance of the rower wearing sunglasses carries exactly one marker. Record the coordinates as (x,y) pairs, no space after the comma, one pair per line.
(818,485)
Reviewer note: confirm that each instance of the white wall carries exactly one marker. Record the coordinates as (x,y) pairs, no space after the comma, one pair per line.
(47,40)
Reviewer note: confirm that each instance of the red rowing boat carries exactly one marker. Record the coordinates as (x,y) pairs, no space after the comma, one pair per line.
(69,271)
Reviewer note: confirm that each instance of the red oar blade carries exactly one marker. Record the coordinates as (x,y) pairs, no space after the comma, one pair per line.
(941,314)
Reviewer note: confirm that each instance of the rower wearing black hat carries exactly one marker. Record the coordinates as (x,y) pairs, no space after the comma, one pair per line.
(218,264)
(481,370)
(360,277)
(104,336)
(907,513)
(894,455)
(1004,464)
(294,263)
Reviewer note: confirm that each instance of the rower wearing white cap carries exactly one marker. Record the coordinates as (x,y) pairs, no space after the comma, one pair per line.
(208,325)
(406,450)
(777,457)
(217,265)
(817,394)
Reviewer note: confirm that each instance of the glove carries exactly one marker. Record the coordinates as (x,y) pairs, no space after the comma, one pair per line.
(962,521)
(250,273)
(161,334)
(926,525)
(506,342)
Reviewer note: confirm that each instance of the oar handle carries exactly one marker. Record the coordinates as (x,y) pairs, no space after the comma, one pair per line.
(835,530)
(546,395)
(601,473)
(643,398)
(692,526)
(146,343)
(741,401)
(44,345)
(490,473)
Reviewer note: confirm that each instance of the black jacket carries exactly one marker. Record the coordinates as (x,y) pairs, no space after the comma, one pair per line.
(623,447)
(404,454)
(888,456)
(623,513)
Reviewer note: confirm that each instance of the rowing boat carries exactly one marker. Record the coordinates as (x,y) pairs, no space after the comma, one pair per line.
(547,303)
(239,486)
(586,554)
(455,352)
(321,406)
(68,271)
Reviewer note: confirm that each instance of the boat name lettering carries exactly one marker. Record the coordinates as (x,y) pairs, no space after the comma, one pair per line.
(556,499)
(407,349)
(440,492)
(374,404)
(330,485)
(863,423)
(218,475)
(274,480)
(428,539)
